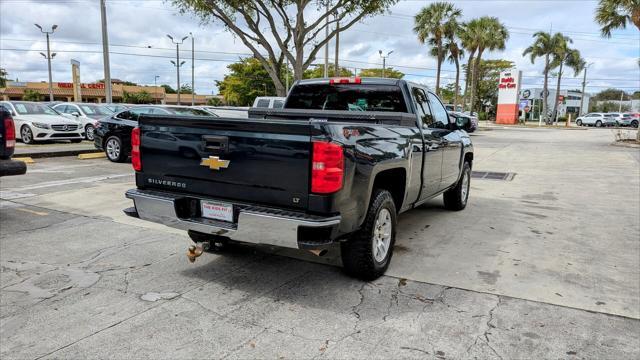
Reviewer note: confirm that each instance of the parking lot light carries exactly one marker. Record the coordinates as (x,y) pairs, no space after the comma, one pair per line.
(48,56)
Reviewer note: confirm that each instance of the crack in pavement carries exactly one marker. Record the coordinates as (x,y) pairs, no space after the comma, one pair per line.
(485,334)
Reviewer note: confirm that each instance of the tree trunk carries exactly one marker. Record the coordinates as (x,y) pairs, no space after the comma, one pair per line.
(438,69)
(455,101)
(545,88)
(555,105)
(474,78)
(467,80)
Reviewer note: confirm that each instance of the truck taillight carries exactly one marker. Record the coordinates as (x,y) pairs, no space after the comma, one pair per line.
(9,133)
(136,161)
(346,80)
(327,167)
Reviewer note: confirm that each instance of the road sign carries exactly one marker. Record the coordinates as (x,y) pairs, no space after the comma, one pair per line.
(527,108)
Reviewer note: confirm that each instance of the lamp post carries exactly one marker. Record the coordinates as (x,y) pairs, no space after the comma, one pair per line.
(48,56)
(384,60)
(177,63)
(105,53)
(584,83)
(155,88)
(193,76)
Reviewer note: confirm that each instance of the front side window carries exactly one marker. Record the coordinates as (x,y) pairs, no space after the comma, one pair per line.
(33,109)
(439,112)
(422,107)
(93,110)
(263,103)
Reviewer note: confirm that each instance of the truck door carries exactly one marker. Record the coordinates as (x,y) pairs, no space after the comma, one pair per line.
(432,159)
(451,143)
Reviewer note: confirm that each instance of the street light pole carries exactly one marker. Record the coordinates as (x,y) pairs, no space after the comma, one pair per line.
(105,53)
(584,83)
(337,72)
(177,63)
(193,76)
(155,88)
(49,56)
(384,60)
(326,45)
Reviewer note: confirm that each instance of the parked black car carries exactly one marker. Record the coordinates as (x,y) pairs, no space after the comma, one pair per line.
(113,134)
(7,146)
(337,164)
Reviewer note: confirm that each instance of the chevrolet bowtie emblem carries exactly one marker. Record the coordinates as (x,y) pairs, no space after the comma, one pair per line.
(214,163)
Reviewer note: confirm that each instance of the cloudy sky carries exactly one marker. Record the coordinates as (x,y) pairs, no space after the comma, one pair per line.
(140,49)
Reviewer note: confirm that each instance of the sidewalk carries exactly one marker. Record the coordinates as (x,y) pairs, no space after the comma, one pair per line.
(54,149)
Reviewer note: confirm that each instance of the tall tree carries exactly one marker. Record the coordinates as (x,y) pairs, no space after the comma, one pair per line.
(614,14)
(432,25)
(275,30)
(246,80)
(545,45)
(377,72)
(468,38)
(3,77)
(318,71)
(455,53)
(489,34)
(565,56)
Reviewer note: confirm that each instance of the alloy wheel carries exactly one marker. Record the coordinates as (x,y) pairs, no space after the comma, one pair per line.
(382,235)
(89,132)
(113,149)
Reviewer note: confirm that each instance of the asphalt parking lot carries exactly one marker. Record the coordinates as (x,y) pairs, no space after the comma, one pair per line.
(542,264)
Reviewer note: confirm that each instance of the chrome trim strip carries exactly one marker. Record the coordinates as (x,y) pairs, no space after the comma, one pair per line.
(252,227)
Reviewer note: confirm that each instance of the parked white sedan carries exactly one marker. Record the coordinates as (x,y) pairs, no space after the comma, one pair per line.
(596,119)
(38,122)
(86,113)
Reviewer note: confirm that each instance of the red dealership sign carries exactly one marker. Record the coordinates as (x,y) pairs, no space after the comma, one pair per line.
(66,85)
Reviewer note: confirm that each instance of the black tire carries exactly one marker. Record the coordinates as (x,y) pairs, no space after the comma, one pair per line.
(598,123)
(579,122)
(456,198)
(113,149)
(88,132)
(357,252)
(26,135)
(634,124)
(76,141)
(217,244)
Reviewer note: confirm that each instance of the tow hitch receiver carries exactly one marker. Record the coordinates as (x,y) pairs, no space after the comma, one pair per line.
(196,250)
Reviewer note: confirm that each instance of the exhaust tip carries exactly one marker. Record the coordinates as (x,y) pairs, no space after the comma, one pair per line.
(319,252)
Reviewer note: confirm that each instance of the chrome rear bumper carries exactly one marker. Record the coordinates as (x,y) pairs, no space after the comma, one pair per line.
(254,225)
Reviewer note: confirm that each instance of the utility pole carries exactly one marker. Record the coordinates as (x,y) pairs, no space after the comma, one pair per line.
(621,99)
(286,79)
(155,88)
(48,56)
(337,72)
(105,53)
(177,63)
(326,46)
(384,60)
(584,84)
(193,76)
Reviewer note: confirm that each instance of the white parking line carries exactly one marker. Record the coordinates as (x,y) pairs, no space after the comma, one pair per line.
(81,180)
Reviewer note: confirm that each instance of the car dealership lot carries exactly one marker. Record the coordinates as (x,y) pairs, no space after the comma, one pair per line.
(543,264)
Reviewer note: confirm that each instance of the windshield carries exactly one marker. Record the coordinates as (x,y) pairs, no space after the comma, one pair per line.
(349,97)
(186,111)
(34,109)
(93,110)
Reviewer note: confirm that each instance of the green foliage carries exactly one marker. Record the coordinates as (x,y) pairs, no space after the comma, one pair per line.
(185,89)
(142,97)
(318,72)
(3,77)
(377,72)
(488,78)
(214,101)
(614,14)
(612,94)
(31,95)
(168,89)
(635,95)
(247,80)
(608,106)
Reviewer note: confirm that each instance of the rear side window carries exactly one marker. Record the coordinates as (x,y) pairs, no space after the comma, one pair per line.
(278,104)
(350,97)
(263,103)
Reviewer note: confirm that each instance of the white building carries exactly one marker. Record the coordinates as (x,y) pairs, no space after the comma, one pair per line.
(569,104)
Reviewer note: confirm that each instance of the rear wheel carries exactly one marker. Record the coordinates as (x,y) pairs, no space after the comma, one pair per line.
(456,198)
(579,122)
(26,135)
(634,123)
(367,254)
(88,132)
(598,123)
(113,149)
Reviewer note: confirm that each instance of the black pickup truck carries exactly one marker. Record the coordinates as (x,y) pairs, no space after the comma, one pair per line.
(338,163)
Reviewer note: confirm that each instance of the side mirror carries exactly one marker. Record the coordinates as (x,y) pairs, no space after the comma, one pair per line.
(13,113)
(75,113)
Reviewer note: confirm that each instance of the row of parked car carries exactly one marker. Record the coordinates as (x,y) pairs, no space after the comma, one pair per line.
(609,119)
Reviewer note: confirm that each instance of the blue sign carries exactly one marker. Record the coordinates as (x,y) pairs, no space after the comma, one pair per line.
(523,104)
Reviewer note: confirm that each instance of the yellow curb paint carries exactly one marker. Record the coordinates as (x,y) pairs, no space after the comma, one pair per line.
(86,156)
(40,213)
(26,160)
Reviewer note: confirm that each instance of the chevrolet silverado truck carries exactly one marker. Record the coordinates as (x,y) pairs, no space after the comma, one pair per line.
(337,164)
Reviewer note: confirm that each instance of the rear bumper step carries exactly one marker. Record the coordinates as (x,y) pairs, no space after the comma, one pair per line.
(254,224)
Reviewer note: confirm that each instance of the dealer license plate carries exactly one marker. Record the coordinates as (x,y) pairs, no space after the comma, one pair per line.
(217,210)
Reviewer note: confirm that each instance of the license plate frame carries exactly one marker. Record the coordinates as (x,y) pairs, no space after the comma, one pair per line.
(216,210)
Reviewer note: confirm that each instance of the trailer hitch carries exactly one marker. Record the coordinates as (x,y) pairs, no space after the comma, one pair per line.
(196,250)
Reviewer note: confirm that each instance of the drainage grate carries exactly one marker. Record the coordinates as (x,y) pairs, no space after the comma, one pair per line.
(491,175)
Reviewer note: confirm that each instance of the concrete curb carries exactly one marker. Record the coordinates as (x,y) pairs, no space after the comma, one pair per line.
(48,154)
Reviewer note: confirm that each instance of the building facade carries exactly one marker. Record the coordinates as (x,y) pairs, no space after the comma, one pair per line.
(90,92)
(568,103)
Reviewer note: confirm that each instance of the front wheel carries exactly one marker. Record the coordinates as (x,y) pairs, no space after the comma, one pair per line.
(579,122)
(88,132)
(367,254)
(456,198)
(26,135)
(113,149)
(634,124)
(598,123)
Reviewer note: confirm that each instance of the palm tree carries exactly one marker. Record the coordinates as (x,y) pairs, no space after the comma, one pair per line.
(545,45)
(614,14)
(468,38)
(490,35)
(455,54)
(432,24)
(572,59)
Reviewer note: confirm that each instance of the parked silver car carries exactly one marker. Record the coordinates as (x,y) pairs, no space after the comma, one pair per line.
(595,119)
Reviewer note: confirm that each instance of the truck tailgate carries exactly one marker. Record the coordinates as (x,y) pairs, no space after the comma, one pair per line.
(257,161)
